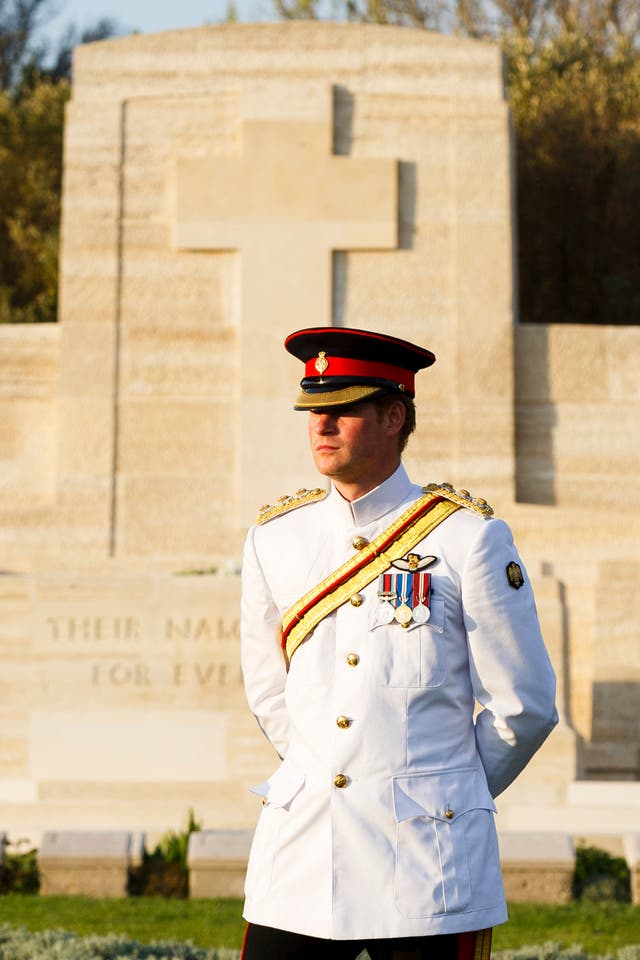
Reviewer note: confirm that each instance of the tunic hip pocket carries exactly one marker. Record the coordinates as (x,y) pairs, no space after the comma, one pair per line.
(277,794)
(446,846)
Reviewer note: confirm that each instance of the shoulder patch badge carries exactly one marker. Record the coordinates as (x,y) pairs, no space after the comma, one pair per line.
(287,503)
(514,575)
(461,497)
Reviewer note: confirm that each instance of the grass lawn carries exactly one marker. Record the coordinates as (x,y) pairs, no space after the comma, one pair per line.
(599,927)
(207,923)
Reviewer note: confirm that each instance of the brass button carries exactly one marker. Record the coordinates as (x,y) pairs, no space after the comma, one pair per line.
(343,722)
(449,814)
(353,659)
(340,781)
(357,600)
(359,543)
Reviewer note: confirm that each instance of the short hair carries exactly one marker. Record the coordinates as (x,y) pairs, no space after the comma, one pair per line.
(383,401)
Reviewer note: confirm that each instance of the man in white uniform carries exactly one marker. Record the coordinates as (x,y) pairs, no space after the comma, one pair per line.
(375,619)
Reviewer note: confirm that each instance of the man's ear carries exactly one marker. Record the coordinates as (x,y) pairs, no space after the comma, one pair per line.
(396,416)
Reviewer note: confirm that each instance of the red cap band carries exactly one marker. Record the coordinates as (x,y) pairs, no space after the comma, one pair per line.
(346,367)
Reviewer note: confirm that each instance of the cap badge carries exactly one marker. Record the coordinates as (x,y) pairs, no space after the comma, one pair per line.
(321,363)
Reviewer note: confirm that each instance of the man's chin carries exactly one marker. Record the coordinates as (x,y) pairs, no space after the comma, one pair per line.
(326,466)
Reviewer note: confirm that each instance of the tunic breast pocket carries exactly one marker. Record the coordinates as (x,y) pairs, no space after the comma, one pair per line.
(414,656)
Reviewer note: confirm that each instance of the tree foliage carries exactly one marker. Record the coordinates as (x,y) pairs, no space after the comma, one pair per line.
(19,20)
(573,78)
(30,173)
(577,120)
(537,19)
(34,87)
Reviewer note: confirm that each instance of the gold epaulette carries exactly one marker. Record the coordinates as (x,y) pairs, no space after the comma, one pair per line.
(286,503)
(461,497)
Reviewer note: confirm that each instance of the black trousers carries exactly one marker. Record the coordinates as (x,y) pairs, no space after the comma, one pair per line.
(267,943)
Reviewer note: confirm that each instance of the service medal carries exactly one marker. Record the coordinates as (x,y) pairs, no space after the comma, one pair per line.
(404,614)
(421,613)
(384,613)
(422,593)
(387,596)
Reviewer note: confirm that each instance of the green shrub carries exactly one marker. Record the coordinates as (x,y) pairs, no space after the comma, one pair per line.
(173,846)
(600,876)
(20,873)
(164,871)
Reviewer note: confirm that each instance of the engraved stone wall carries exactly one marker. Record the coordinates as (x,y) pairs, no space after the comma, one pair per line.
(122,700)
(208,211)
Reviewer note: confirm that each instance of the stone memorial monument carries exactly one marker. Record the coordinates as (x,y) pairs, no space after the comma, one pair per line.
(224,186)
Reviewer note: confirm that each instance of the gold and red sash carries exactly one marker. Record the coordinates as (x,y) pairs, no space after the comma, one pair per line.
(394,542)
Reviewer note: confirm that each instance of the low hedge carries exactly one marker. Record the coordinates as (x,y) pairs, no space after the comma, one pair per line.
(553,951)
(17,943)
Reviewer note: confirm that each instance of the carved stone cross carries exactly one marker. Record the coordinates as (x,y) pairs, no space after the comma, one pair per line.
(285,204)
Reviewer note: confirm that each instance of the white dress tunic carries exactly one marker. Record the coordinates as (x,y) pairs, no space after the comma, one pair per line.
(379,822)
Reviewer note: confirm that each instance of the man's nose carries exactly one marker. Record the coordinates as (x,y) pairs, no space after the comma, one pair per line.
(324,423)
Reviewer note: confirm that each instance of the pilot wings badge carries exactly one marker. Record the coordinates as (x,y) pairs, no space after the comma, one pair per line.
(413,562)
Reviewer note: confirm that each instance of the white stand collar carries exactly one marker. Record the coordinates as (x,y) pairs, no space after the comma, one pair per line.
(377,503)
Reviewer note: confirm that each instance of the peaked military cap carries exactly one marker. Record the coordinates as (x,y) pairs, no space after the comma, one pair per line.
(344,365)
